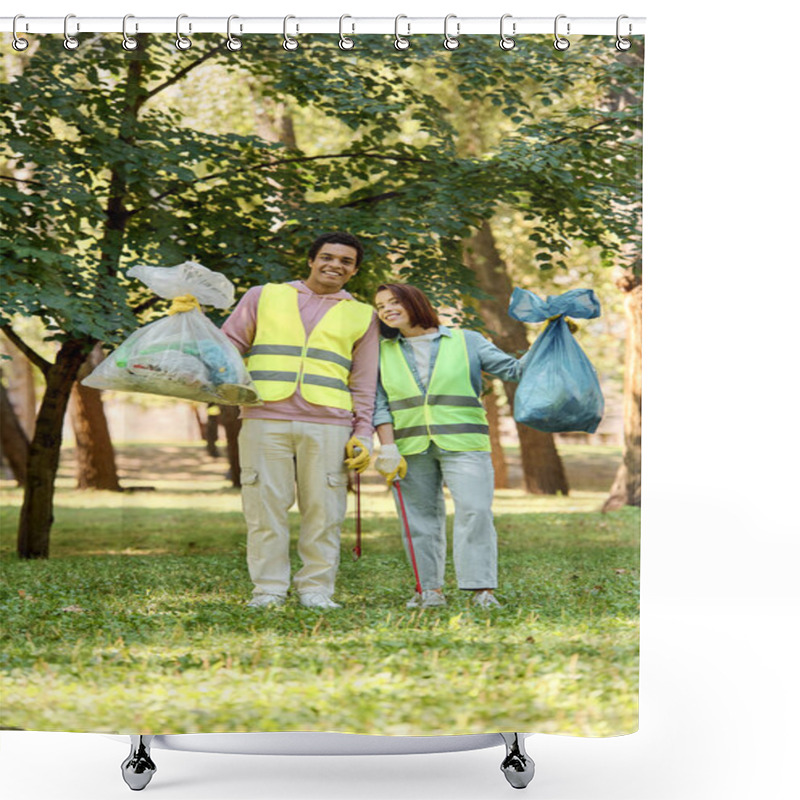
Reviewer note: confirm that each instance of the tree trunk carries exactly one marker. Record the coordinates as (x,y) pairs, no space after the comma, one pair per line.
(36,515)
(209,429)
(104,470)
(21,387)
(96,464)
(542,467)
(498,457)
(14,444)
(274,123)
(229,419)
(627,487)
(541,464)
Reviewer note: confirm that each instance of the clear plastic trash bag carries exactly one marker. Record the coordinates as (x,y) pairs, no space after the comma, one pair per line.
(184,354)
(559,390)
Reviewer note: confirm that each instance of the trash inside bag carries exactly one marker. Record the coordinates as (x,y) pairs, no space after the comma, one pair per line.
(183,354)
(559,390)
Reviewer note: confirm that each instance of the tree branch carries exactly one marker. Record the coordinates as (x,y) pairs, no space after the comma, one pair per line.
(144,305)
(183,72)
(269,165)
(578,132)
(38,361)
(21,180)
(304,159)
(375,198)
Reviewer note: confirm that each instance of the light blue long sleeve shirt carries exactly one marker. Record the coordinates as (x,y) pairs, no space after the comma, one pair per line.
(483,357)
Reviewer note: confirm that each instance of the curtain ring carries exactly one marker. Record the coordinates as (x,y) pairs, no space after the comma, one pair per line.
(181,41)
(233,44)
(623,44)
(18,44)
(345,43)
(128,42)
(451,42)
(506,42)
(70,42)
(400,43)
(288,42)
(560,43)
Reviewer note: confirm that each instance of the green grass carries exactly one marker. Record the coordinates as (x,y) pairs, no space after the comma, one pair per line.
(138,623)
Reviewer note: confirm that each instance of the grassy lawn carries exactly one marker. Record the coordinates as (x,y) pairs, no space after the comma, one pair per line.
(138,623)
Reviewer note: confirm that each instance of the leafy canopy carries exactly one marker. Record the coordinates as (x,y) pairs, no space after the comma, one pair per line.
(104,171)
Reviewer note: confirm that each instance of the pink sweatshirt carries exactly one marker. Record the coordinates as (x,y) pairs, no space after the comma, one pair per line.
(240,328)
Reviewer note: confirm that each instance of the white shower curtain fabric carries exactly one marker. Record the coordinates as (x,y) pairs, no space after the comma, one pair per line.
(464,174)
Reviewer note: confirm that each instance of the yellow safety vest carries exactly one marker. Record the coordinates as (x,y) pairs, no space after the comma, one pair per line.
(283,357)
(449,413)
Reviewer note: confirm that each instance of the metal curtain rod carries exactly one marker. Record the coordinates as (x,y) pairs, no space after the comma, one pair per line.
(408,26)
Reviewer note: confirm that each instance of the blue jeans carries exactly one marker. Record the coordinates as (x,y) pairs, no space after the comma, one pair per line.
(470,478)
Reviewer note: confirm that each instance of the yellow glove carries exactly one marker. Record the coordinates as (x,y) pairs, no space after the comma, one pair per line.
(358,454)
(390,463)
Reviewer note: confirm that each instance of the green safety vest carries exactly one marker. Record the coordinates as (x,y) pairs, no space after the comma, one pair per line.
(283,357)
(450,413)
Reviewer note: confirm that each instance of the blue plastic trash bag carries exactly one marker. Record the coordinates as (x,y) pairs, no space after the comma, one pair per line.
(559,390)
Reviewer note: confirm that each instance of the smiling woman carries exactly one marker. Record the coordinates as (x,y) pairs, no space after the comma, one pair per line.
(404,309)
(434,432)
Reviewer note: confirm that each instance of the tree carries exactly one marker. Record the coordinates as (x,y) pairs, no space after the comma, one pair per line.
(14,445)
(541,465)
(96,464)
(116,176)
(21,385)
(627,486)
(228,418)
(17,409)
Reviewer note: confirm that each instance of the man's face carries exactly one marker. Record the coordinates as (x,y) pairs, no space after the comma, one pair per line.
(331,268)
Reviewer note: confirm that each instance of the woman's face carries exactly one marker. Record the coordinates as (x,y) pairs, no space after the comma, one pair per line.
(390,310)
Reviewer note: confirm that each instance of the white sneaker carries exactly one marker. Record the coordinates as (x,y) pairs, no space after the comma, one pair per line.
(264,600)
(317,600)
(429,598)
(485,599)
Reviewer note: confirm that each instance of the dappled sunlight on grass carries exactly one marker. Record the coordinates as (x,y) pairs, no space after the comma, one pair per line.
(516,501)
(145,595)
(84,632)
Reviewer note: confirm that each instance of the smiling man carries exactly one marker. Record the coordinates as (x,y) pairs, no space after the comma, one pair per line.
(312,351)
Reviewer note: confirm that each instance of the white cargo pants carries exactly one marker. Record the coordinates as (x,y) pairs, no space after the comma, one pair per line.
(275,456)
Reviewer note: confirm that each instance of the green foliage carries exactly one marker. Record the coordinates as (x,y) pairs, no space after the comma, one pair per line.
(116,173)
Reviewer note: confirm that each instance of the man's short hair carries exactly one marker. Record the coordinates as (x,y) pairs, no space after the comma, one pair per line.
(337,237)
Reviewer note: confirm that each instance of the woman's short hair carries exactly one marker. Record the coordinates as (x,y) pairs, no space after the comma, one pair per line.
(416,304)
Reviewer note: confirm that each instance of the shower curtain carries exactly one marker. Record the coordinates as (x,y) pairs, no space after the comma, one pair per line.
(467,171)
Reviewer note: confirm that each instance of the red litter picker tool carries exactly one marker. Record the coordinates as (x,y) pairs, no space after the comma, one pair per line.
(357,548)
(408,535)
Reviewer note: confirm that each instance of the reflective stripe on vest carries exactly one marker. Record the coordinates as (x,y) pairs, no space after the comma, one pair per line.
(449,414)
(282,357)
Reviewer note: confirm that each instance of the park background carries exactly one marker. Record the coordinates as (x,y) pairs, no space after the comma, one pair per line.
(719,597)
(464,173)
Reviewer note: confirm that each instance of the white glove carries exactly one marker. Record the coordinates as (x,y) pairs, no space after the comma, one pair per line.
(390,463)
